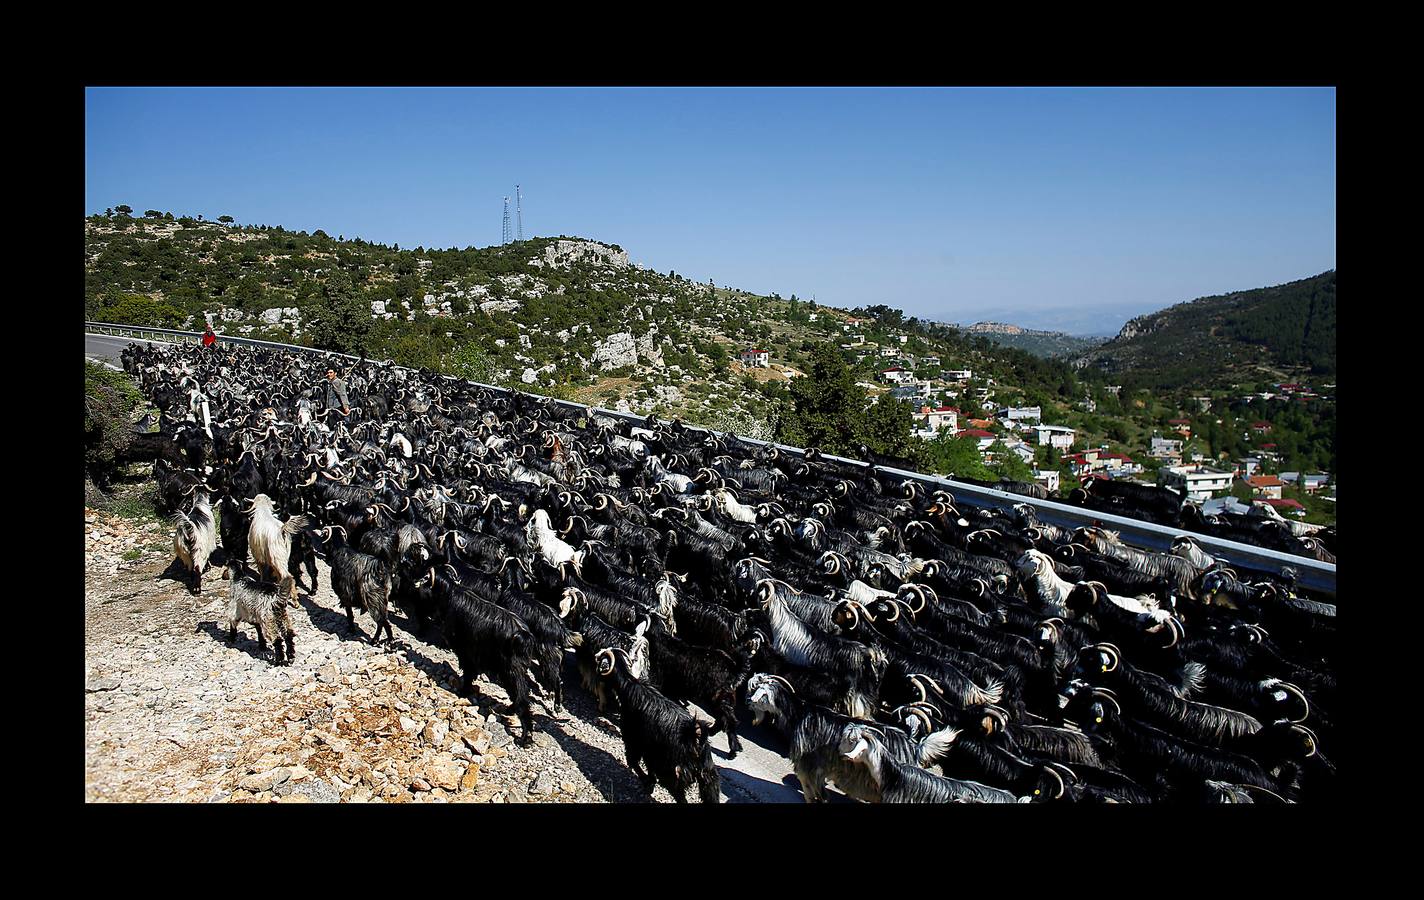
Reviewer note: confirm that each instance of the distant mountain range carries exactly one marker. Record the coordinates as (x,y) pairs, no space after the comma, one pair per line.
(1048,344)
(1261,334)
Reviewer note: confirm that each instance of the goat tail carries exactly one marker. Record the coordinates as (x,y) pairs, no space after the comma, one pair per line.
(986,696)
(295,524)
(185,527)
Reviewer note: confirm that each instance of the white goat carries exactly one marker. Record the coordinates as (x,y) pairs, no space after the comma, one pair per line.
(268,539)
(195,538)
(402,442)
(554,551)
(1189,550)
(1052,591)
(864,594)
(732,509)
(680,483)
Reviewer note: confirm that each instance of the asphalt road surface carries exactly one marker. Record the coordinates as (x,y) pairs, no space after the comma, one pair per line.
(102,348)
(761,773)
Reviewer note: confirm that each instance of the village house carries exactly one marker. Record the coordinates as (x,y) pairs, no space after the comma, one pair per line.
(956,374)
(1021,450)
(1181,426)
(1203,403)
(1021,413)
(1049,478)
(1292,507)
(935,418)
(1261,427)
(1266,486)
(1165,448)
(888,351)
(984,438)
(1084,463)
(911,390)
(1089,404)
(896,375)
(755,358)
(1118,463)
(1196,483)
(1060,436)
(931,361)
(1308,483)
(1247,466)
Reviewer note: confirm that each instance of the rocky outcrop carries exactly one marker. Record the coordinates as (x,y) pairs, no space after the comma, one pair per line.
(615,352)
(564,253)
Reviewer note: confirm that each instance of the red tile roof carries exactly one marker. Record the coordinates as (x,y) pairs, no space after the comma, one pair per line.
(1265,481)
(1287,503)
(1179,421)
(975,433)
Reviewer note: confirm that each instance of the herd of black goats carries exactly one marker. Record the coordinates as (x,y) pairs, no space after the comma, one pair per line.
(885,631)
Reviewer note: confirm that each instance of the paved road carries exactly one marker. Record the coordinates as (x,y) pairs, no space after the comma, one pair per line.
(761,773)
(102,348)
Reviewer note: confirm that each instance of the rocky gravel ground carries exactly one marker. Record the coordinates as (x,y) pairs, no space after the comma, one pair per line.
(173,712)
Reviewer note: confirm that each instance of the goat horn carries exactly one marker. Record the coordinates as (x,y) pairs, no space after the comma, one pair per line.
(788,684)
(1177,632)
(932,683)
(1114,655)
(1061,786)
(914,712)
(1292,689)
(604,658)
(1110,697)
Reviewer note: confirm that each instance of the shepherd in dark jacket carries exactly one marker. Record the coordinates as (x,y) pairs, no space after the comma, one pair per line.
(336,393)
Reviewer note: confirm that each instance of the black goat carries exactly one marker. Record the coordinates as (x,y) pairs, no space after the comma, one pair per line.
(662,733)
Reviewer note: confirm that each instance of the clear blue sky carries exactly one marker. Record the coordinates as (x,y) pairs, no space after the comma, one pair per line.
(1048,208)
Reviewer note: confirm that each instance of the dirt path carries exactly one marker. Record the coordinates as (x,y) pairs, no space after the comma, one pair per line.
(173,712)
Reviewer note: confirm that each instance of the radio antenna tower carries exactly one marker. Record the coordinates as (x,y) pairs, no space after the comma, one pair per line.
(504,239)
(519,211)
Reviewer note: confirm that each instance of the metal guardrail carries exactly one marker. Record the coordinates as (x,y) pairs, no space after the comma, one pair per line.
(1312,574)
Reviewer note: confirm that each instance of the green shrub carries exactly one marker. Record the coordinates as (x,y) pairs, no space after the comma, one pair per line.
(136,309)
(110,399)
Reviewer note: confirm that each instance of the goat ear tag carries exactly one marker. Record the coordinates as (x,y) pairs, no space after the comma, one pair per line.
(1099,720)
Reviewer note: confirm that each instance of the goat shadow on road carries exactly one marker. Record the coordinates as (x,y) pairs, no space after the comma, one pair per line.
(609,773)
(334,622)
(736,783)
(217,630)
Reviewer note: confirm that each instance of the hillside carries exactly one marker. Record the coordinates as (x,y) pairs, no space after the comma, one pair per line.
(1048,344)
(563,316)
(1268,334)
